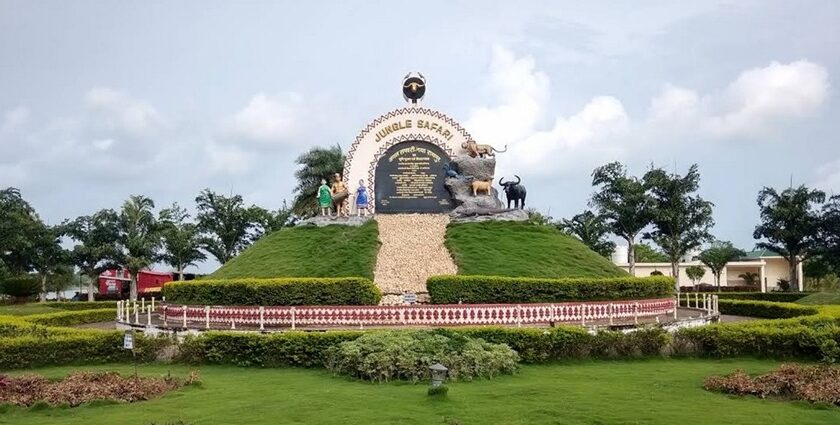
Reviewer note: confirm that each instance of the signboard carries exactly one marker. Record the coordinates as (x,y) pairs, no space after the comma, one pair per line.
(410,298)
(409,178)
(128,340)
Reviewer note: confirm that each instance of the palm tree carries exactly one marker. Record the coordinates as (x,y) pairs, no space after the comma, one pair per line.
(316,164)
(181,240)
(139,237)
(750,278)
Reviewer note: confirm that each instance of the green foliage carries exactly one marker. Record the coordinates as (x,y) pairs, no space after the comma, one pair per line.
(647,254)
(139,237)
(96,249)
(695,273)
(782,297)
(790,223)
(592,230)
(78,346)
(226,224)
(750,278)
(764,309)
(72,317)
(820,298)
(406,355)
(523,249)
(497,289)
(439,391)
(277,291)
(681,219)
(316,164)
(19,229)
(622,200)
(538,218)
(20,287)
(717,256)
(181,239)
(308,251)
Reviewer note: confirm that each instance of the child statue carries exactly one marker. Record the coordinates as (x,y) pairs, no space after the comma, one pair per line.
(361,199)
(324,198)
(339,196)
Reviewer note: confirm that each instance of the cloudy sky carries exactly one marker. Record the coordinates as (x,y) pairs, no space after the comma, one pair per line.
(100,100)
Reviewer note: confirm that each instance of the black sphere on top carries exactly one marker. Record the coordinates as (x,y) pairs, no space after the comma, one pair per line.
(414,87)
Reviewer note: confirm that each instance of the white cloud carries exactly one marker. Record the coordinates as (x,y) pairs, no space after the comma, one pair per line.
(269,120)
(753,104)
(523,94)
(227,159)
(119,111)
(14,119)
(827,177)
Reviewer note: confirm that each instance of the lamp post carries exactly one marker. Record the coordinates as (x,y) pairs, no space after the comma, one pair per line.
(438,372)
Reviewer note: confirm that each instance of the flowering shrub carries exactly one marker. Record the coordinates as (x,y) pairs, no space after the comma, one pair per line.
(790,381)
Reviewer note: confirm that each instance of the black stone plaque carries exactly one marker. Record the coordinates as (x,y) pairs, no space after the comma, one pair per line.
(409,178)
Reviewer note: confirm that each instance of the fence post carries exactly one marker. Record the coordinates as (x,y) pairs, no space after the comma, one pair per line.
(153,303)
(149,316)
(136,314)
(583,314)
(518,316)
(636,313)
(164,316)
(293,317)
(119,312)
(185,316)
(143,304)
(262,318)
(612,310)
(207,317)
(676,307)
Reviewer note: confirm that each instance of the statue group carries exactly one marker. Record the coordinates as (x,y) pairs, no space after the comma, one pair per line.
(336,196)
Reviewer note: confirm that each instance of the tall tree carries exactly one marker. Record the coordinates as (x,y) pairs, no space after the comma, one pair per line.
(316,164)
(96,249)
(226,224)
(790,225)
(592,230)
(695,273)
(717,256)
(48,257)
(181,240)
(139,237)
(829,235)
(19,229)
(623,202)
(648,254)
(681,219)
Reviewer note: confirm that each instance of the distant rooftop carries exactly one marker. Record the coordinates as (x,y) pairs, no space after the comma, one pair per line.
(751,255)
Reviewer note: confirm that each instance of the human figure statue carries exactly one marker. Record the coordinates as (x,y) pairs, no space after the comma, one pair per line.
(339,196)
(324,198)
(361,199)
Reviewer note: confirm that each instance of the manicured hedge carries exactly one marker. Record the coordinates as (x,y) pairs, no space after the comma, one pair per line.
(764,309)
(82,305)
(782,297)
(279,291)
(452,289)
(76,347)
(72,318)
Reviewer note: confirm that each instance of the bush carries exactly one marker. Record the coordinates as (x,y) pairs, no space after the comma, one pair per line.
(452,289)
(82,305)
(73,318)
(764,309)
(20,288)
(279,291)
(393,355)
(790,381)
(783,297)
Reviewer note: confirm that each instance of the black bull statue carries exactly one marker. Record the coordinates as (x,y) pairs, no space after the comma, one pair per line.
(514,192)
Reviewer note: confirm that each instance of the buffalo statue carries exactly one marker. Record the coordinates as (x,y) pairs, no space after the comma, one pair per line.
(514,192)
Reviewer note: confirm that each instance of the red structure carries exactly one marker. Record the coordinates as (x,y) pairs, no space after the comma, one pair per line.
(119,281)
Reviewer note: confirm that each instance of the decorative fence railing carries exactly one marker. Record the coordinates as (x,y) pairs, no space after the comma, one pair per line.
(408,315)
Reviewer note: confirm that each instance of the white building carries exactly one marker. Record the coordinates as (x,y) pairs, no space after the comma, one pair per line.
(769,266)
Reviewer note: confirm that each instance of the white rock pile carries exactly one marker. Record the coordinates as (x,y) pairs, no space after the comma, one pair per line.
(412,250)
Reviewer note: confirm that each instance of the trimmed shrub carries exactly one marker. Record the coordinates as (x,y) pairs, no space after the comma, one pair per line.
(279,291)
(452,289)
(72,318)
(764,309)
(384,356)
(782,297)
(81,305)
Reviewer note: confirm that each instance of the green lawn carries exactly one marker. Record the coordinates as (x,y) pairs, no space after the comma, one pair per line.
(821,298)
(620,392)
(308,251)
(523,249)
(25,309)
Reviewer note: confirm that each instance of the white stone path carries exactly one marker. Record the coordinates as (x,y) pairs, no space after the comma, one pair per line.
(412,250)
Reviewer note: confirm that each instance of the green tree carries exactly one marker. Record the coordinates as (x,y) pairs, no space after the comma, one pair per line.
(276,220)
(681,219)
(623,202)
(19,228)
(648,254)
(717,256)
(226,224)
(139,237)
(181,240)
(96,250)
(591,229)
(48,257)
(829,235)
(818,268)
(695,273)
(750,278)
(316,164)
(61,278)
(790,225)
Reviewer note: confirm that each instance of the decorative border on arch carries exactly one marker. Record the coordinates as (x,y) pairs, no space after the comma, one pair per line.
(384,148)
(395,113)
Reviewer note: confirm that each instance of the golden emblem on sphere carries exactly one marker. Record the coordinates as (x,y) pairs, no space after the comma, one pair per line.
(414,87)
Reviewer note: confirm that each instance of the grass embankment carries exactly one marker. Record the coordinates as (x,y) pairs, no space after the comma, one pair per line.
(648,392)
(523,250)
(308,251)
(824,298)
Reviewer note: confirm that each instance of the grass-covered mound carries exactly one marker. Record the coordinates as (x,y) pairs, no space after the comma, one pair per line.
(523,250)
(308,251)
(820,298)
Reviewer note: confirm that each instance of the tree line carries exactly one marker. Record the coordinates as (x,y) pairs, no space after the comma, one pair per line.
(798,223)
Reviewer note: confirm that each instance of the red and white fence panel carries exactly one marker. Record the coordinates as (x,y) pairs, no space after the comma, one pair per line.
(408,315)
